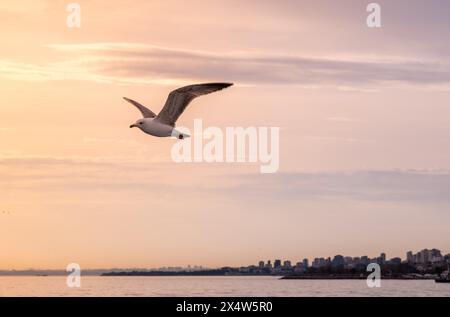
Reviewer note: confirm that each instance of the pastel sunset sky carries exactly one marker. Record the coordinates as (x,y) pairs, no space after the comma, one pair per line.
(364,143)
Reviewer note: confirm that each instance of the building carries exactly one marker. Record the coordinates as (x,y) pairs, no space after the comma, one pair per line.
(365,260)
(435,256)
(395,261)
(299,268)
(319,262)
(410,257)
(422,256)
(425,257)
(277,264)
(287,264)
(348,262)
(338,261)
(305,263)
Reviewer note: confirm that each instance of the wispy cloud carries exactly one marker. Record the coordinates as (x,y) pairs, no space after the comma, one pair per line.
(127,63)
(122,173)
(334,139)
(409,186)
(342,119)
(33,160)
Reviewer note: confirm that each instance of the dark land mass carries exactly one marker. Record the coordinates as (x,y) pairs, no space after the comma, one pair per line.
(218,272)
(398,272)
(355,277)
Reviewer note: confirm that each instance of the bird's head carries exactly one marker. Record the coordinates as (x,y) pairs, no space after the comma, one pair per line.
(138,124)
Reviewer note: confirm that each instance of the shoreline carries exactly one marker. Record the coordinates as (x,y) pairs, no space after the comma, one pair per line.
(404,278)
(280,277)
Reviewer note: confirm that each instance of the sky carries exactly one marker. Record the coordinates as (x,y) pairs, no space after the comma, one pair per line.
(363,113)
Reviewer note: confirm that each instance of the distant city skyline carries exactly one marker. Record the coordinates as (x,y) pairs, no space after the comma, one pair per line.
(421,257)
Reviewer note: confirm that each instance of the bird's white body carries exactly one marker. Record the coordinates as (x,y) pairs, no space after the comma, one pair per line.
(153,127)
(162,125)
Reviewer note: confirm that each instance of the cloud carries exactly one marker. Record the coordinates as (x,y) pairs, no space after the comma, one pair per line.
(84,173)
(114,174)
(335,139)
(47,174)
(131,63)
(112,141)
(410,186)
(342,119)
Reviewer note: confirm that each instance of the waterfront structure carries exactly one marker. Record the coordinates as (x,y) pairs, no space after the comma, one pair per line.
(305,263)
(277,264)
(426,260)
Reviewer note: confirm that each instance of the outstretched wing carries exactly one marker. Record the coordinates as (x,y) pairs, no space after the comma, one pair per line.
(147,113)
(179,99)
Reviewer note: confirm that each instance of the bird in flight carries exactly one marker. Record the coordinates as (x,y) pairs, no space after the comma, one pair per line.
(163,124)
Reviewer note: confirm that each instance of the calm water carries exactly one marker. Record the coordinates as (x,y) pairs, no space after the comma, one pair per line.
(213,286)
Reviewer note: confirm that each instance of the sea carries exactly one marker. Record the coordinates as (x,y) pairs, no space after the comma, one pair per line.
(221,286)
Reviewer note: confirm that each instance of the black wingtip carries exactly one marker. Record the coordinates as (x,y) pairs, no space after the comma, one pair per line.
(223,85)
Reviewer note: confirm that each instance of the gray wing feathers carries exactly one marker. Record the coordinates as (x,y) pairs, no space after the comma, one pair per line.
(146,113)
(180,98)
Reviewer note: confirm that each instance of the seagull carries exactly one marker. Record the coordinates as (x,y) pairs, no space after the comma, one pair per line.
(163,124)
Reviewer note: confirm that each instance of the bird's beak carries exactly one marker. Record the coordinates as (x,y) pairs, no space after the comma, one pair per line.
(132,126)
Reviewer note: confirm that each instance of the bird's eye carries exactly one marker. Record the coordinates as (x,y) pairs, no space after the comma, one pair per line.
(141,123)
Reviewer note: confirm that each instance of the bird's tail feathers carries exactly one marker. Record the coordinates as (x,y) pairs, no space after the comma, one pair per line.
(179,135)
